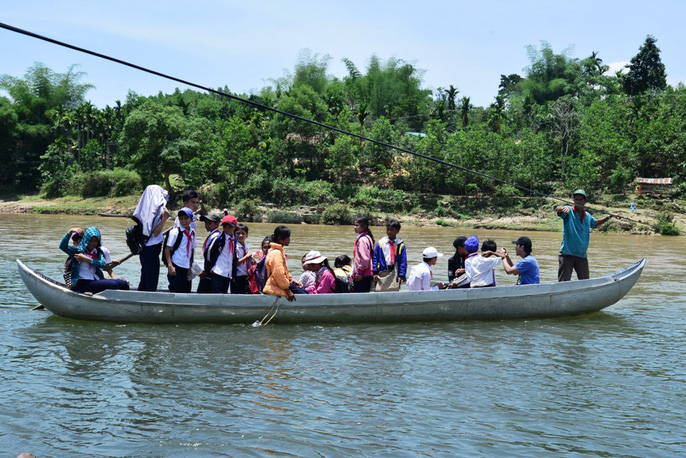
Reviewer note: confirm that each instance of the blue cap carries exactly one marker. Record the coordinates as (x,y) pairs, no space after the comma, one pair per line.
(472,244)
(187,211)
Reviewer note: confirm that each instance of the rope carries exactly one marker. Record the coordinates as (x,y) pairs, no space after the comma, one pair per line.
(291,115)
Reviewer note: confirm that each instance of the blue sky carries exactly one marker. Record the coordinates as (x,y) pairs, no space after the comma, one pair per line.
(244,44)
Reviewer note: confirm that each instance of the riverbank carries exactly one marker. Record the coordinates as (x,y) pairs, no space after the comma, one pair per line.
(644,220)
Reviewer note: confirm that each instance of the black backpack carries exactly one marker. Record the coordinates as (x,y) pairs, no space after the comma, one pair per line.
(341,285)
(173,248)
(135,239)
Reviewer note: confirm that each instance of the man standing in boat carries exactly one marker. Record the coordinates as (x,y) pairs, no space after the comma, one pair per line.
(576,234)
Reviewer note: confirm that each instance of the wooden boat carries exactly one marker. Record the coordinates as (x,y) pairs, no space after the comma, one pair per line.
(545,300)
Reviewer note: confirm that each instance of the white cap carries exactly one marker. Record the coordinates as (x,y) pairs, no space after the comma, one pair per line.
(431,252)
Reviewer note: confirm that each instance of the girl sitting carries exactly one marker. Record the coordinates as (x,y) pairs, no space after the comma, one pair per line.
(88,261)
(324,282)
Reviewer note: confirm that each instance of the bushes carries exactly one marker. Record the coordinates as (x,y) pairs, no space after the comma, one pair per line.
(338,214)
(106,183)
(284,217)
(249,210)
(665,224)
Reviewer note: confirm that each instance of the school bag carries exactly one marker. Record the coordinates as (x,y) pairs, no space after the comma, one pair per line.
(261,273)
(342,280)
(172,249)
(135,239)
(67,272)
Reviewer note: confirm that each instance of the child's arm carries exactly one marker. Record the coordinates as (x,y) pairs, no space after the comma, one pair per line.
(160,227)
(401,263)
(170,266)
(65,246)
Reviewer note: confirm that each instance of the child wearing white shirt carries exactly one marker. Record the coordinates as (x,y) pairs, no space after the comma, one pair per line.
(180,260)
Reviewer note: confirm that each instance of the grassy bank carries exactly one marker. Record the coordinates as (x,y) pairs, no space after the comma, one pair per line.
(525,214)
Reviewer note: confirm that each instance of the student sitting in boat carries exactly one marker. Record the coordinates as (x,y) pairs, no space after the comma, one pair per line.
(420,275)
(389,260)
(309,275)
(481,268)
(279,280)
(343,272)
(88,260)
(324,282)
(179,249)
(456,264)
(527,268)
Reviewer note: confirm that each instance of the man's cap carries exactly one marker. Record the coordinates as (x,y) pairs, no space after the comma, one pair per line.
(458,242)
(313,257)
(186,211)
(230,219)
(523,241)
(581,192)
(211,216)
(472,244)
(431,252)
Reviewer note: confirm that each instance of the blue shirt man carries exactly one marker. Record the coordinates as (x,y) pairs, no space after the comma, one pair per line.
(576,234)
(527,268)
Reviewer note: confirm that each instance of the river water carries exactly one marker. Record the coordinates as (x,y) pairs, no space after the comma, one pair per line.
(611,383)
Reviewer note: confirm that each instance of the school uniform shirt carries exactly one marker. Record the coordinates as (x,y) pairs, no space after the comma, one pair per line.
(156,239)
(576,232)
(88,271)
(482,270)
(420,278)
(528,271)
(242,269)
(389,253)
(182,256)
(209,239)
(224,265)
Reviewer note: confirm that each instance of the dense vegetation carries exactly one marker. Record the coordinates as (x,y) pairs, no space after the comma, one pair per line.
(564,123)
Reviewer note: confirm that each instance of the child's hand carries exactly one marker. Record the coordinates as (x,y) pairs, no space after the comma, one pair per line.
(80,257)
(171,270)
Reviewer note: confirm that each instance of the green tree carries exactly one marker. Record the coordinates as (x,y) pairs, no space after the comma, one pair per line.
(646,70)
(36,99)
(550,75)
(158,140)
(8,140)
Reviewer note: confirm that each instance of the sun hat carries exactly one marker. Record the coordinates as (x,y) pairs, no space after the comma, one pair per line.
(230,219)
(186,211)
(472,244)
(431,252)
(523,241)
(211,216)
(581,192)
(313,257)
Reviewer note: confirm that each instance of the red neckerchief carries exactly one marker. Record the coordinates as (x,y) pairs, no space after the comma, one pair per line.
(188,243)
(581,214)
(204,245)
(391,246)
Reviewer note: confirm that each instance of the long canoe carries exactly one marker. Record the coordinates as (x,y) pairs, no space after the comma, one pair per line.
(545,300)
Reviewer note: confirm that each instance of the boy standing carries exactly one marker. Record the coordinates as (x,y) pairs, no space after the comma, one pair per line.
(221,260)
(211,221)
(190,200)
(389,260)
(239,284)
(179,251)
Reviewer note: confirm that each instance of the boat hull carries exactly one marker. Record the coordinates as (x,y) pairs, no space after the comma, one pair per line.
(504,302)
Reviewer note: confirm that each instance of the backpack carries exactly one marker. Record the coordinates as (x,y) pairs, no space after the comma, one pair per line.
(135,239)
(67,272)
(172,249)
(261,273)
(342,285)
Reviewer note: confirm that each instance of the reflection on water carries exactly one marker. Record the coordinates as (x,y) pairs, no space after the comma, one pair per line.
(608,383)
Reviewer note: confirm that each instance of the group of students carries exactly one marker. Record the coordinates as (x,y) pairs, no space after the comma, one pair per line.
(228,264)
